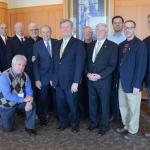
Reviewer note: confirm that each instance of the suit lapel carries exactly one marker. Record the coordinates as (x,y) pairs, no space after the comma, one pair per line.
(67,48)
(103,47)
(45,48)
(1,40)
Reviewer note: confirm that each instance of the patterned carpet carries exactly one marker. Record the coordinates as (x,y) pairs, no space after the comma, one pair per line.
(49,138)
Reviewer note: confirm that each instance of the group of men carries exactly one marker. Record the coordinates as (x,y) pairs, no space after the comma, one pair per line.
(100,78)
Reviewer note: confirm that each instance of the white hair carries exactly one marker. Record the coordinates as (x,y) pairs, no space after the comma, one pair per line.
(18,24)
(17,58)
(103,25)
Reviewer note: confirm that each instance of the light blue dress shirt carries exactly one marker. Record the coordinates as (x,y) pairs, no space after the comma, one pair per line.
(6,89)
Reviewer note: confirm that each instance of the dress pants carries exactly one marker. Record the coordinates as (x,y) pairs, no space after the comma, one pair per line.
(99,104)
(130,110)
(8,117)
(44,102)
(67,102)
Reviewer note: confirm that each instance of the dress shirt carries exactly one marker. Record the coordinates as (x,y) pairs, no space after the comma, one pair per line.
(50,45)
(4,38)
(6,89)
(117,38)
(21,38)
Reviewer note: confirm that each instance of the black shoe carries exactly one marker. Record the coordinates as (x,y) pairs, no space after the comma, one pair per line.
(75,130)
(31,131)
(43,123)
(60,128)
(90,128)
(102,132)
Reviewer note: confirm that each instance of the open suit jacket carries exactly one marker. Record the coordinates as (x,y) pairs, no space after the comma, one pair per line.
(132,68)
(43,65)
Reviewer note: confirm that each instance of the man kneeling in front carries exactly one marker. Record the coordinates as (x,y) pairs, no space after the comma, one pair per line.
(16,94)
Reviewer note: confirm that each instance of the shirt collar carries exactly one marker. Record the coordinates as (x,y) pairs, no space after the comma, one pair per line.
(19,37)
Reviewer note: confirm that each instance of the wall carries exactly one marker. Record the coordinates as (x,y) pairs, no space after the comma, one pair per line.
(136,10)
(30,3)
(3,12)
(50,14)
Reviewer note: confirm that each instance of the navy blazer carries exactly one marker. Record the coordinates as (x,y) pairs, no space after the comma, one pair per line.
(69,68)
(43,65)
(133,66)
(5,55)
(147,74)
(105,62)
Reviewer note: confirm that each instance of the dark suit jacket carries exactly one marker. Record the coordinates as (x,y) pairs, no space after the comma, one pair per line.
(105,61)
(5,55)
(133,66)
(43,66)
(69,68)
(16,46)
(147,74)
(29,53)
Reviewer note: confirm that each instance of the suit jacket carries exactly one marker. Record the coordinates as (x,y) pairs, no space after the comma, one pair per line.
(147,74)
(16,46)
(69,68)
(43,65)
(133,66)
(5,54)
(105,61)
(29,53)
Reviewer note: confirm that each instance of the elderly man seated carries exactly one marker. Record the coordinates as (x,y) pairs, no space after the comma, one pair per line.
(16,94)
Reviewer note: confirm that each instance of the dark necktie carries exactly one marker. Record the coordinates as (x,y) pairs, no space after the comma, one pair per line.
(49,48)
(22,39)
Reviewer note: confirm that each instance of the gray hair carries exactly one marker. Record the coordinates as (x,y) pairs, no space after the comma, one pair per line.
(31,25)
(17,58)
(66,20)
(104,25)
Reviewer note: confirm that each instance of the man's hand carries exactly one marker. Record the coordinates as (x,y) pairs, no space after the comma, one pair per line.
(136,91)
(38,84)
(74,87)
(28,106)
(93,76)
(28,99)
(33,58)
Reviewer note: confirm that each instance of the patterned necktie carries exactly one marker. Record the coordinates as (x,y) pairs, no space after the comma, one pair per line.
(96,50)
(62,48)
(49,49)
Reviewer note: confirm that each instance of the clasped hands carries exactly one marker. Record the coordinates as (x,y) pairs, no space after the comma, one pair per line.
(93,76)
(28,100)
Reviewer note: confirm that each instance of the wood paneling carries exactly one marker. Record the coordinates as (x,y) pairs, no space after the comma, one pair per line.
(42,15)
(3,13)
(136,10)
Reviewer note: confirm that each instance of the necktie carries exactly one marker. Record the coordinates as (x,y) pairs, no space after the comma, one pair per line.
(96,50)
(22,39)
(49,48)
(63,45)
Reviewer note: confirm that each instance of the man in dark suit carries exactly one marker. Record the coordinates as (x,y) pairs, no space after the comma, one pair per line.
(43,67)
(32,39)
(101,62)
(132,67)
(17,43)
(69,65)
(5,55)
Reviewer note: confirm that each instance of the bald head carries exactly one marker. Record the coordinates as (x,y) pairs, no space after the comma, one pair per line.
(19,28)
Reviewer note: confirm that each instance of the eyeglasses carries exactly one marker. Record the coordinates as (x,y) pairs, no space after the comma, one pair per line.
(129,28)
(34,30)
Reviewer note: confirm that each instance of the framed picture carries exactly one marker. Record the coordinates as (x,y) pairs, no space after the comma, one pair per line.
(87,13)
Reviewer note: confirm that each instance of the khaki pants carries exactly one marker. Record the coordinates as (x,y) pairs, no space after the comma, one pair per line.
(130,110)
